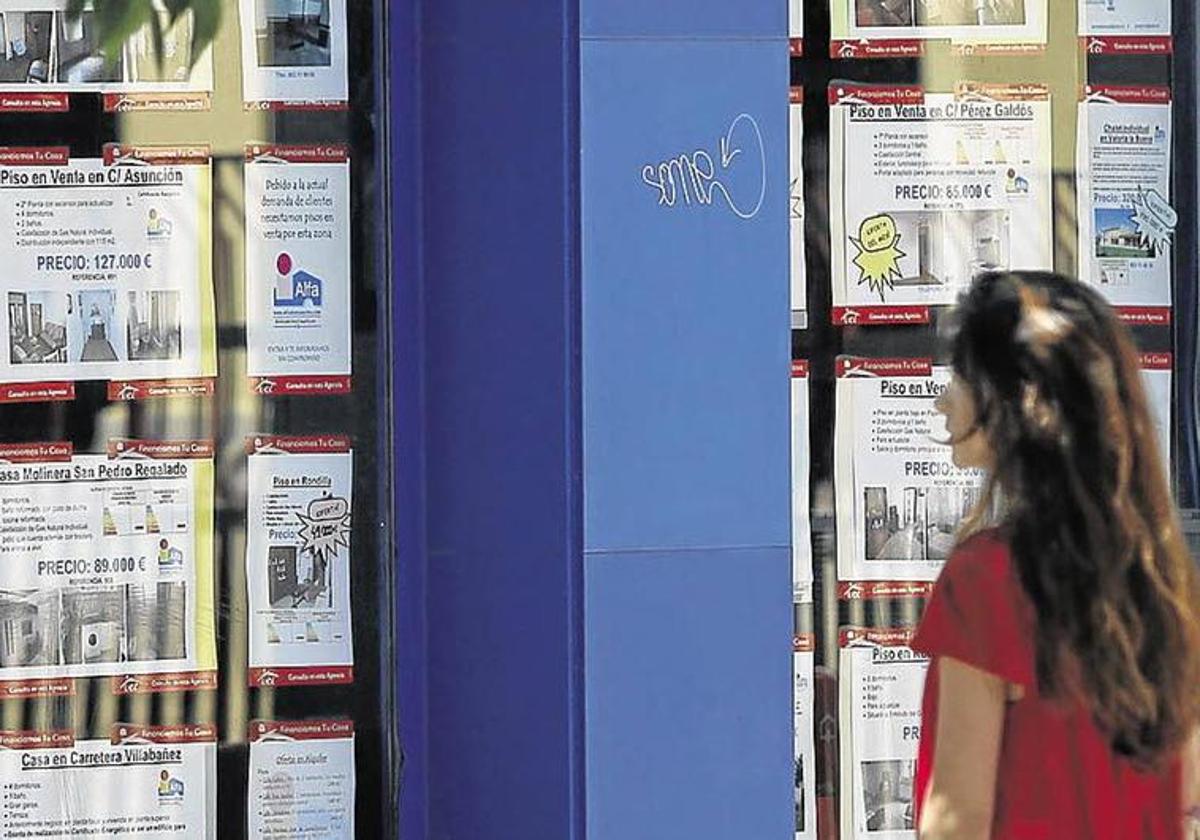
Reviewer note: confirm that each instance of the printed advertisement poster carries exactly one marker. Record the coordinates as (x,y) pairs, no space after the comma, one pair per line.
(897,28)
(1157,378)
(298,560)
(301,779)
(143,781)
(929,189)
(47,53)
(294,53)
(1126,221)
(298,269)
(900,498)
(109,266)
(796,203)
(796,26)
(805,755)
(106,562)
(1135,20)
(802,560)
(880,689)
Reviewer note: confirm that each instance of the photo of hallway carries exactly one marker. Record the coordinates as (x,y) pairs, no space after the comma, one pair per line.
(96,310)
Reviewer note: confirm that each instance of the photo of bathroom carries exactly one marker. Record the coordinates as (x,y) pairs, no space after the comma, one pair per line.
(949,248)
(95,311)
(292,33)
(93,625)
(29,623)
(37,328)
(915,523)
(154,331)
(157,621)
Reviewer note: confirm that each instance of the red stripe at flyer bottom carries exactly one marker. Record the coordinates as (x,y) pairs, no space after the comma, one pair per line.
(872,316)
(31,392)
(299,386)
(1146,316)
(308,675)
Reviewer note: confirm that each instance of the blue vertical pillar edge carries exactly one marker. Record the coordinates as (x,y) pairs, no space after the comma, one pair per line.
(498,165)
(400,97)
(686,356)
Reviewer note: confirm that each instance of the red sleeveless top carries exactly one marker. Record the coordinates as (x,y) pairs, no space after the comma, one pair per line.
(1058,778)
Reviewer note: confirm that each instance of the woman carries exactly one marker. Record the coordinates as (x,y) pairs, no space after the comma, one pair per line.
(1064,689)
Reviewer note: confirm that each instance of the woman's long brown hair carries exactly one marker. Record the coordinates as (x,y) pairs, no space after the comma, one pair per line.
(1085,505)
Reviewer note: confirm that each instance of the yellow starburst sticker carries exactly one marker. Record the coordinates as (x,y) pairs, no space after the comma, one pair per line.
(878,257)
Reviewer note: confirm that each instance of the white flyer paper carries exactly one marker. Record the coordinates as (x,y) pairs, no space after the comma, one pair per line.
(45,54)
(796,26)
(900,498)
(109,265)
(1157,377)
(802,559)
(301,780)
(805,753)
(1126,222)
(294,53)
(1125,17)
(881,683)
(144,782)
(106,563)
(298,556)
(799,280)
(929,189)
(298,269)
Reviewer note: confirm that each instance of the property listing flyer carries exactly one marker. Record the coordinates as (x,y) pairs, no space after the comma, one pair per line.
(796,211)
(298,560)
(143,781)
(48,52)
(1126,221)
(110,269)
(1157,370)
(298,269)
(301,779)
(929,189)
(805,755)
(900,498)
(880,687)
(1135,27)
(899,28)
(802,567)
(294,54)
(106,565)
(796,26)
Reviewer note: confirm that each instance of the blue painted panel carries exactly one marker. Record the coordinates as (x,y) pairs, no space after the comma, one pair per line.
(684,18)
(504,577)
(689,727)
(685,293)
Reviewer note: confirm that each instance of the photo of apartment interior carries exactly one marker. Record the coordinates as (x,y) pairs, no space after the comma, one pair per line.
(940,12)
(27,45)
(918,526)
(157,621)
(154,330)
(37,334)
(93,625)
(296,578)
(946,248)
(292,33)
(28,629)
(96,312)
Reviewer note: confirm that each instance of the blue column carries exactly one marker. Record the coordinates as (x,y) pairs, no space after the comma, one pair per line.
(686,357)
